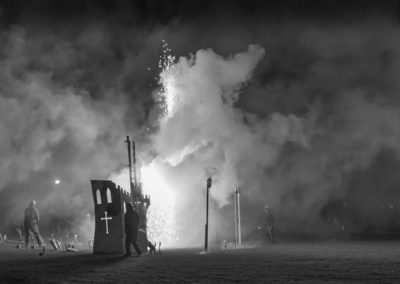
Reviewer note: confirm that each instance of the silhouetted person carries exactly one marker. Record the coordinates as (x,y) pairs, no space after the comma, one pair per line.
(20,238)
(18,229)
(31,224)
(131,229)
(270,224)
(151,247)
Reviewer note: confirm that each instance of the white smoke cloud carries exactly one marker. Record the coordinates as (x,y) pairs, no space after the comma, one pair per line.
(203,134)
(50,127)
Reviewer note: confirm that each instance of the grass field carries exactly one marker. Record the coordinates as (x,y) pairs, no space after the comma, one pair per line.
(318,262)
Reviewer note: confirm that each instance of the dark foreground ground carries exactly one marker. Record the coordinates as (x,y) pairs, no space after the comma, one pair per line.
(319,262)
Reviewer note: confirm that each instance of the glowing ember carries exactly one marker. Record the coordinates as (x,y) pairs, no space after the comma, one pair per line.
(161,224)
(57,181)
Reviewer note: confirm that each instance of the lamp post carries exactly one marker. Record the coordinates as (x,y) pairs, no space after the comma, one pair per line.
(209,181)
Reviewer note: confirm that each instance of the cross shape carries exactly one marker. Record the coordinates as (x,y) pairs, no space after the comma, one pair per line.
(106,219)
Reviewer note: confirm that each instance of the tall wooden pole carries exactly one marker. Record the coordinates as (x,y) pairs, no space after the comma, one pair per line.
(128,142)
(134,164)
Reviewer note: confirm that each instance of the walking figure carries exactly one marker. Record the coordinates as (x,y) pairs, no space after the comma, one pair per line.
(31,224)
(131,230)
(270,224)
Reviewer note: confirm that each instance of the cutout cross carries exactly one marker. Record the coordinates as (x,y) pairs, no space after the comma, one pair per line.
(106,219)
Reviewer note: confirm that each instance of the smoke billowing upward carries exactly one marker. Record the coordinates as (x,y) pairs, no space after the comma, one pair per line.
(297,106)
(64,114)
(203,135)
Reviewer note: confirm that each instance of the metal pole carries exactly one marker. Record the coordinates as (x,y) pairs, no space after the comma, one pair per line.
(206,227)
(128,142)
(235,214)
(206,237)
(238,216)
(134,164)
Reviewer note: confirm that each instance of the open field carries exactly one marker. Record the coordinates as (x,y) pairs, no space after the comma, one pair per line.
(319,262)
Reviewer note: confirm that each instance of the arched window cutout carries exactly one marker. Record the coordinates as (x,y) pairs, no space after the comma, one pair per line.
(109,200)
(124,207)
(98,197)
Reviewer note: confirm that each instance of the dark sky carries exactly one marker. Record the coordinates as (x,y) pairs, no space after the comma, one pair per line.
(163,12)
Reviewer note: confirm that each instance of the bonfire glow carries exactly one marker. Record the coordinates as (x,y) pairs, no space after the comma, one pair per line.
(161,224)
(156,186)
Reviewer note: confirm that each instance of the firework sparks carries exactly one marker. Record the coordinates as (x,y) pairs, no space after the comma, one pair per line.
(161,214)
(161,223)
(167,95)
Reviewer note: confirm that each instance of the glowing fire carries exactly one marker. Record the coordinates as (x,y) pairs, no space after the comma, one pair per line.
(161,225)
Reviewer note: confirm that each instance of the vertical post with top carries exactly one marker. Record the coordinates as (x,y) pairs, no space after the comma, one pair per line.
(235,216)
(128,142)
(209,181)
(239,232)
(134,164)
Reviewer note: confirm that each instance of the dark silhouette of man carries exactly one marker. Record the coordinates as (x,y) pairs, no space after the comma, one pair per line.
(31,224)
(131,230)
(270,224)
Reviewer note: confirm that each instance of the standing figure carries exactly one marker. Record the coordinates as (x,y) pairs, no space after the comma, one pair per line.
(131,229)
(270,224)
(31,224)
(20,238)
(151,247)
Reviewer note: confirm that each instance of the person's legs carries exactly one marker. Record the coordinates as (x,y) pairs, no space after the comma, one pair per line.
(127,247)
(137,248)
(269,234)
(273,235)
(134,243)
(35,229)
(27,230)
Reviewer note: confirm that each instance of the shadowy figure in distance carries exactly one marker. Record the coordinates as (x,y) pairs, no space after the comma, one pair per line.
(270,224)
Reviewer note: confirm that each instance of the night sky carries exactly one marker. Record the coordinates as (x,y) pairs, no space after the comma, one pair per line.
(297,102)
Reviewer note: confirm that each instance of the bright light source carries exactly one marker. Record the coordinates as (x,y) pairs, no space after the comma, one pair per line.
(57,181)
(161,225)
(155,185)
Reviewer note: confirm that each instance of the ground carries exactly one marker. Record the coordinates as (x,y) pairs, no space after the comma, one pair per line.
(319,262)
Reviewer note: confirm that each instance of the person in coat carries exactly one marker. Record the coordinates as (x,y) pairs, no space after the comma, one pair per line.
(131,219)
(31,224)
(270,224)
